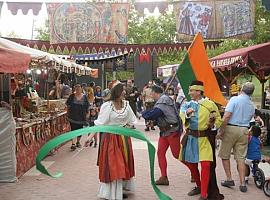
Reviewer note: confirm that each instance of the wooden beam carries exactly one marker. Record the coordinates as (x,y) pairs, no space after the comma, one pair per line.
(223,76)
(236,77)
(252,71)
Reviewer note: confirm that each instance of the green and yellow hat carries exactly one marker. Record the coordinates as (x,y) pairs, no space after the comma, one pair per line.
(196,85)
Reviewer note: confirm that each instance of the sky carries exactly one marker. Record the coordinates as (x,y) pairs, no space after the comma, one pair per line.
(22,25)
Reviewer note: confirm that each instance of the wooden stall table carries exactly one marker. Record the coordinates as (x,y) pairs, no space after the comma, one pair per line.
(32,136)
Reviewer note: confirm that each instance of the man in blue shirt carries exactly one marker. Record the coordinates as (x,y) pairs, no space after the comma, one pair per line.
(234,134)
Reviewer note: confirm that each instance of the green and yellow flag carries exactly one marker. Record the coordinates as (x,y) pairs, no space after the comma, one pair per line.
(196,66)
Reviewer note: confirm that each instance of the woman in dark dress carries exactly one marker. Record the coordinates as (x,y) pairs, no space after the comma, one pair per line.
(77,112)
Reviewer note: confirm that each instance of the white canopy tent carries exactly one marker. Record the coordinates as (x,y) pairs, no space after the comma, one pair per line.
(45,57)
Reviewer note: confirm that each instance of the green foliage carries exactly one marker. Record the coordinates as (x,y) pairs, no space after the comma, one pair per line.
(121,75)
(12,34)
(151,29)
(43,33)
(171,58)
(227,45)
(262,24)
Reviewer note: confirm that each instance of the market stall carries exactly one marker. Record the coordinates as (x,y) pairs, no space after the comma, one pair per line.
(10,61)
(36,120)
(253,60)
(31,135)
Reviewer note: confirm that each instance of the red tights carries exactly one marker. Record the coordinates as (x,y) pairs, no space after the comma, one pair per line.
(205,175)
(172,141)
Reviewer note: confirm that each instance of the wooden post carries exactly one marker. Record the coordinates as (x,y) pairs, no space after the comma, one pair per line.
(263,96)
(47,90)
(2,87)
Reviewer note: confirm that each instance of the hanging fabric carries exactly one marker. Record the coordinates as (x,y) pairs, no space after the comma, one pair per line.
(161,5)
(24,6)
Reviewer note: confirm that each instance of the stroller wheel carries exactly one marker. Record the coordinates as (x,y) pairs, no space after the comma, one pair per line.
(266,188)
(259,178)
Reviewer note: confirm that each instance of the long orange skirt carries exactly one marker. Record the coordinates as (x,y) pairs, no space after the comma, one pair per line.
(115,159)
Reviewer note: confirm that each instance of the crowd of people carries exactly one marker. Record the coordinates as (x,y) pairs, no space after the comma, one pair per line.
(189,128)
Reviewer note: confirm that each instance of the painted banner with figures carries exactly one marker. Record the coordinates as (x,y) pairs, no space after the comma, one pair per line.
(88,22)
(215,19)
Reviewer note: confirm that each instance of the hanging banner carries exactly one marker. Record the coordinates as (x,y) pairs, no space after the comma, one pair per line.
(215,19)
(14,7)
(88,22)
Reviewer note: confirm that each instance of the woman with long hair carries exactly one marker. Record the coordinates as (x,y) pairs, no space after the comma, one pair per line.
(115,160)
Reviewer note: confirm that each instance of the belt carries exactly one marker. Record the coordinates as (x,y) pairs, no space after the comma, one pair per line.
(197,133)
(168,127)
(237,125)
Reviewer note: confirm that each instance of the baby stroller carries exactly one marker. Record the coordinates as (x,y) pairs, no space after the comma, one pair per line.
(265,166)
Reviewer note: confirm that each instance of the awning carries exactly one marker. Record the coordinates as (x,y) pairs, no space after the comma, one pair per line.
(99,56)
(258,54)
(13,61)
(45,57)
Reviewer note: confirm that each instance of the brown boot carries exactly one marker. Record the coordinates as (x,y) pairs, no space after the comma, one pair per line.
(163,180)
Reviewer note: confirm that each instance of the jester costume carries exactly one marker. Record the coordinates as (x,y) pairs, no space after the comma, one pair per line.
(199,143)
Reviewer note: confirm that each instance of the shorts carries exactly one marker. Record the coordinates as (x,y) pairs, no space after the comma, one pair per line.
(235,138)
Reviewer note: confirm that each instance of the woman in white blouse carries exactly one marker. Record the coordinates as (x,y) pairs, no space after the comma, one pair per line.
(115,160)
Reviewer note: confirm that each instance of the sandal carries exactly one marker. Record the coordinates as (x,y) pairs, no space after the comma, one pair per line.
(73,147)
(227,183)
(78,144)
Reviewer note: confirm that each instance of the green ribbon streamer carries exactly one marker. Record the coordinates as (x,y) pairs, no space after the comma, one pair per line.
(46,148)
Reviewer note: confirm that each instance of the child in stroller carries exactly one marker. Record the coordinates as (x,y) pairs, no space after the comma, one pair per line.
(254,156)
(259,167)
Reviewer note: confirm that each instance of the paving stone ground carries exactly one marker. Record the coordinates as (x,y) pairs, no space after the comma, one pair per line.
(80,177)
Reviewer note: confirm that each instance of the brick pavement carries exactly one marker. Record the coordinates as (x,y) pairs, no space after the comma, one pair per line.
(80,178)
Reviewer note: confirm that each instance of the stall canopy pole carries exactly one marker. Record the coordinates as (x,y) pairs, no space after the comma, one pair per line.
(2,86)
(47,90)
(263,96)
(102,76)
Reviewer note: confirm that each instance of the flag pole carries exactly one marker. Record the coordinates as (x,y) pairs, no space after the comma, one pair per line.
(173,77)
(170,83)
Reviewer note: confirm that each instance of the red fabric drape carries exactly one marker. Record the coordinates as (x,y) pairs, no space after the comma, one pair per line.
(145,57)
